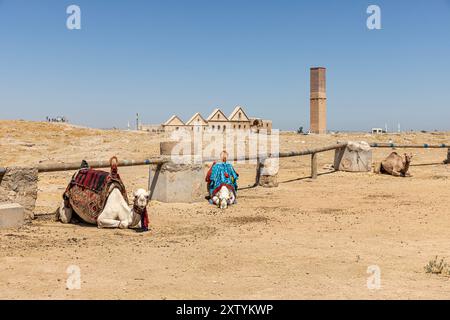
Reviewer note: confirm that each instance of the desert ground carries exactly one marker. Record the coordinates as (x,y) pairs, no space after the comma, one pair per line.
(305,239)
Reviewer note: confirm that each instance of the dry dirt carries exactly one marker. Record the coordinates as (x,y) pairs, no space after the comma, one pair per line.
(306,239)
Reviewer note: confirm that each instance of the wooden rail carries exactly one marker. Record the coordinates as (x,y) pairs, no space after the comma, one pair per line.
(312,151)
(415,146)
(97,164)
(412,146)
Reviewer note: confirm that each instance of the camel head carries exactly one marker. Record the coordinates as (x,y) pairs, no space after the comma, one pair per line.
(224,196)
(408,157)
(141,198)
(224,156)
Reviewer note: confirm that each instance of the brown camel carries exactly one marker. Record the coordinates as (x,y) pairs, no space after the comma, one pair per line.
(395,165)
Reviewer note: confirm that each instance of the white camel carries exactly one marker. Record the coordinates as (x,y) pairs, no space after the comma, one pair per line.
(223,198)
(117,213)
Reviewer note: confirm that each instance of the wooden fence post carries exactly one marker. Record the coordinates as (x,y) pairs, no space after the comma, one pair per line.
(314,166)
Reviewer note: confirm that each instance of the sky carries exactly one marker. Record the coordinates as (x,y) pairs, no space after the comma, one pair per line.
(164,57)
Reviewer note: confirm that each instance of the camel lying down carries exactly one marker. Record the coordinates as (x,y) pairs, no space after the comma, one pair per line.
(99,197)
(395,165)
(117,213)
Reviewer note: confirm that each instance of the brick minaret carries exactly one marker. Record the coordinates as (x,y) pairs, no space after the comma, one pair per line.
(318,101)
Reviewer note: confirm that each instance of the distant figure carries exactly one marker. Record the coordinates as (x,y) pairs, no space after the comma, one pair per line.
(221,181)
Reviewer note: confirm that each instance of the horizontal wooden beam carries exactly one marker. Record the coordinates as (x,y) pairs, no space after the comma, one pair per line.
(312,151)
(97,164)
(412,146)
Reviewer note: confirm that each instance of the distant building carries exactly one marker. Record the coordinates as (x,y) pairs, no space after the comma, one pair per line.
(216,122)
(377,131)
(157,128)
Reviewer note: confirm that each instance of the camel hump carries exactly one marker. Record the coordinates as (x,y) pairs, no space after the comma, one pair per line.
(394,154)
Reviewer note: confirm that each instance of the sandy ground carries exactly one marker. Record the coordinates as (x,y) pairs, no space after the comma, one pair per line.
(306,239)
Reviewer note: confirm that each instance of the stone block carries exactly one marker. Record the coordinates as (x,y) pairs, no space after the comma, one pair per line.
(11,215)
(356,157)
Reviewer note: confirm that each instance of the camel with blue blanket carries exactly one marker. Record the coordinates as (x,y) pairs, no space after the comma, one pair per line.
(221,181)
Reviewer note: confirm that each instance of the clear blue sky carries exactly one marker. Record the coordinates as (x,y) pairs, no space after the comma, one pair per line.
(176,57)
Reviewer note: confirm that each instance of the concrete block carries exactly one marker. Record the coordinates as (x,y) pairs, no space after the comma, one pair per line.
(356,157)
(11,215)
(182,183)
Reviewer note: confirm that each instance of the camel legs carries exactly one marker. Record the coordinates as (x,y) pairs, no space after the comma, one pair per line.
(65,213)
(103,221)
(107,223)
(216,200)
(111,223)
(396,173)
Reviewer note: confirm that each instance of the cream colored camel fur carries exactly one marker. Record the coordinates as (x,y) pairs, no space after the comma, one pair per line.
(395,165)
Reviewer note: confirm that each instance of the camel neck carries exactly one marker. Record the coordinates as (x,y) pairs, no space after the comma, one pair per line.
(406,166)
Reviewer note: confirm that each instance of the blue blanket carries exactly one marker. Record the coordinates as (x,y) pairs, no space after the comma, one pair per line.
(222,173)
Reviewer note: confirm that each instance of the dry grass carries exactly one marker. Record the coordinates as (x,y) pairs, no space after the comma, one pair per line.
(438,266)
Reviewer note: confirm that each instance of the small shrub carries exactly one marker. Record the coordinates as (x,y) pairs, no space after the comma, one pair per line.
(437,266)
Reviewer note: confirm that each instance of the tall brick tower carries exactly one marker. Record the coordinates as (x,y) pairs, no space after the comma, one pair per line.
(318,101)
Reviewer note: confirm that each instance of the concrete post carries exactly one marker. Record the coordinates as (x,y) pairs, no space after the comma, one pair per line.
(182,183)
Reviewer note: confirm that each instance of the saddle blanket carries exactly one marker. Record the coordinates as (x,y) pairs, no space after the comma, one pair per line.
(94,180)
(221,174)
